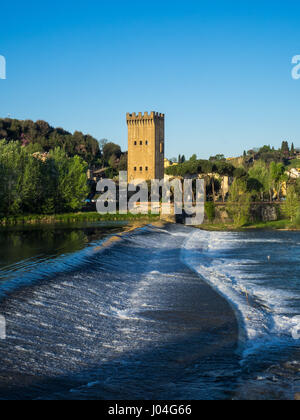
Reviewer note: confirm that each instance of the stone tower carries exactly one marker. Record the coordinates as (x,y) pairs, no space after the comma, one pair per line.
(146,146)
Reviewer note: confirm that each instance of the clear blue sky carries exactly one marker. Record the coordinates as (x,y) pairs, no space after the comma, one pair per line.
(219,70)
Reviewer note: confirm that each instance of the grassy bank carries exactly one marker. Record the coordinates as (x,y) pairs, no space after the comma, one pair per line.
(275,225)
(74,218)
(34,219)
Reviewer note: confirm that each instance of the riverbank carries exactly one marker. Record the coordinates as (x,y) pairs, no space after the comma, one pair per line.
(286,225)
(82,217)
(34,219)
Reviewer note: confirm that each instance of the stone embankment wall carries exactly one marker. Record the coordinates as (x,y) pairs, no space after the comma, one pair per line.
(264,212)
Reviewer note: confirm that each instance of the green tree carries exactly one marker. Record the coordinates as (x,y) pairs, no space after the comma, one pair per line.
(292,149)
(210,210)
(45,138)
(285,148)
(277,177)
(240,173)
(219,157)
(215,185)
(265,149)
(254,186)
(11,172)
(102,143)
(123,162)
(224,169)
(33,193)
(292,204)
(71,188)
(239,203)
(113,161)
(38,183)
(193,158)
(260,172)
(109,150)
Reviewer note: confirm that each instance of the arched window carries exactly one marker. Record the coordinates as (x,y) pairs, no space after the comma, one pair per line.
(135,143)
(141,169)
(141,143)
(135,169)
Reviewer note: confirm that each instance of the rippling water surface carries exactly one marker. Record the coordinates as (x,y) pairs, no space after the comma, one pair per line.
(170,313)
(259,274)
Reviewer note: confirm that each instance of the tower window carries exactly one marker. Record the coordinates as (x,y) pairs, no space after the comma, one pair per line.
(141,169)
(135,143)
(135,169)
(146,168)
(146,142)
(141,143)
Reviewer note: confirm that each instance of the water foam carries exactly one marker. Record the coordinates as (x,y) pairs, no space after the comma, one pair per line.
(265,311)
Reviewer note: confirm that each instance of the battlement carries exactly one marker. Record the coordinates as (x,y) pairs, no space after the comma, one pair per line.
(146,116)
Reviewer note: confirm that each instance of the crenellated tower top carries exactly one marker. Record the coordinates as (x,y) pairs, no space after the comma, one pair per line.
(146,116)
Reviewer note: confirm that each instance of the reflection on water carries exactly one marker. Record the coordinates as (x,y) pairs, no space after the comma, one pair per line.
(22,248)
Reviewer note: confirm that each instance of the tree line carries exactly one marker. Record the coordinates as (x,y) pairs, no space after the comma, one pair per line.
(261,175)
(43,170)
(41,137)
(40,183)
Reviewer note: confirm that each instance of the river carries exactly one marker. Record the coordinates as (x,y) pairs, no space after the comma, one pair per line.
(170,312)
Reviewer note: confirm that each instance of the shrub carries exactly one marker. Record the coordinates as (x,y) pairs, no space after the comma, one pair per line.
(210,210)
